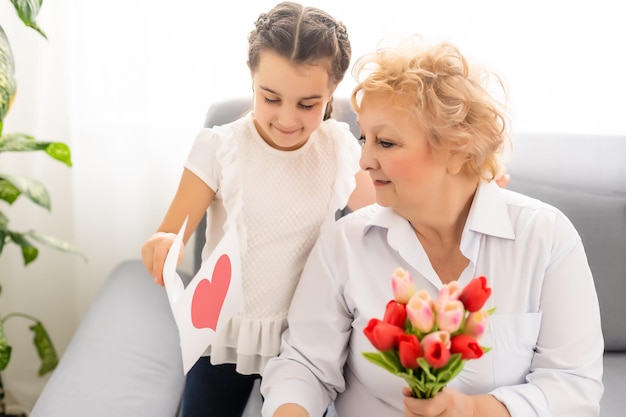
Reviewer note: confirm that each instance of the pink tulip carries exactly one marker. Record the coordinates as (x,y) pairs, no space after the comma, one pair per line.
(449,292)
(438,337)
(419,310)
(476,324)
(450,316)
(403,286)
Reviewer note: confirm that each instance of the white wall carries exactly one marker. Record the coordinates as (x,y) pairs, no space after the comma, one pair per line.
(127,83)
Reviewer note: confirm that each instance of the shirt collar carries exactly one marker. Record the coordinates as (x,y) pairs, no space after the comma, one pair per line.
(488,215)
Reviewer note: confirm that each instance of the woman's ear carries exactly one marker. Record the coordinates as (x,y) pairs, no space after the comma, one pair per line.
(456,162)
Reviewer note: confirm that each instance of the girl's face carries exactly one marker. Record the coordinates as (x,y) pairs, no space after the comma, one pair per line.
(407,174)
(289,102)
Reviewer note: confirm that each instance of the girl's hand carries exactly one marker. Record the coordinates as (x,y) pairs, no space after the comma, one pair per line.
(154,252)
(447,403)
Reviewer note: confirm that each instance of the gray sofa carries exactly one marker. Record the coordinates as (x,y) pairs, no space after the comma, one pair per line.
(124,359)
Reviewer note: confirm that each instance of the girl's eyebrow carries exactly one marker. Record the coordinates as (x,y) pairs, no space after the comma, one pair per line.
(269,90)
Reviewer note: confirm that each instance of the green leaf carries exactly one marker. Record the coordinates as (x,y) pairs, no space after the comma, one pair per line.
(4,221)
(451,370)
(28,11)
(8,192)
(5,349)
(20,142)
(7,76)
(61,152)
(378,359)
(29,187)
(426,368)
(55,243)
(45,349)
(29,252)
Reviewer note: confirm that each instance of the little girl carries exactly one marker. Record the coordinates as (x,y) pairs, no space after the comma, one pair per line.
(290,167)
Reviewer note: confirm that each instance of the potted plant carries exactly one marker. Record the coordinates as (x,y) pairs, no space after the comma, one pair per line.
(14,186)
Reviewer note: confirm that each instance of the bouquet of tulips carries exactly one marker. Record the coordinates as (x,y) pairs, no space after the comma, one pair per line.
(424,341)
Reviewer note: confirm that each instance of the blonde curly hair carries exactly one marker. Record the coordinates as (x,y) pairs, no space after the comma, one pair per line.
(449,98)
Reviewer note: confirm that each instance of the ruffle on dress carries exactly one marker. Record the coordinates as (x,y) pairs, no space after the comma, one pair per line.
(256,342)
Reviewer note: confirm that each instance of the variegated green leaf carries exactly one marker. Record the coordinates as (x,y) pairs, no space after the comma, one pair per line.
(3,238)
(55,243)
(7,76)
(45,349)
(5,349)
(28,11)
(19,142)
(29,187)
(4,221)
(29,252)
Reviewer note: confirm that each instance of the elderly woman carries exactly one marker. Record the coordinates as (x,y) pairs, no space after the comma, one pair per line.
(433,136)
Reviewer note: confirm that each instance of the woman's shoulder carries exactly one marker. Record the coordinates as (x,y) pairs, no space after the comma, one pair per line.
(533,215)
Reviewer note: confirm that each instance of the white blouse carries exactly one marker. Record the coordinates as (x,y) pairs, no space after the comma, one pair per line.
(545,334)
(279,201)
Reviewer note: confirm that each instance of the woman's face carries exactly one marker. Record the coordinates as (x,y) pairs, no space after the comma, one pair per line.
(407,174)
(289,102)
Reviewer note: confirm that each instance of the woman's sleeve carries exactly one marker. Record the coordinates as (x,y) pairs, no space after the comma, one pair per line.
(308,370)
(566,370)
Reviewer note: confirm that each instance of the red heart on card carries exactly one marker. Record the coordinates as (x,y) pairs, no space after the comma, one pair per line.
(208,297)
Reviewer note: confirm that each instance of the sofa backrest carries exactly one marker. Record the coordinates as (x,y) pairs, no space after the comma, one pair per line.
(585,177)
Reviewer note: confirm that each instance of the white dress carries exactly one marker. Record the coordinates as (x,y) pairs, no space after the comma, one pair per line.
(283,199)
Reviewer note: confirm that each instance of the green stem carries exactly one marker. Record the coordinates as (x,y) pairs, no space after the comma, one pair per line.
(23,315)
(2,404)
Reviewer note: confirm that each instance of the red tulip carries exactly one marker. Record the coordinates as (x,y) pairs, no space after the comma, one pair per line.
(475,294)
(384,336)
(436,354)
(395,313)
(409,349)
(467,346)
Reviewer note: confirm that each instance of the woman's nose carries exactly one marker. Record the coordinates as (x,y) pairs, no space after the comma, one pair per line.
(367,161)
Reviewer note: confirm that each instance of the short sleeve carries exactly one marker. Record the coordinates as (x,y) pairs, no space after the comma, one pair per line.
(202,158)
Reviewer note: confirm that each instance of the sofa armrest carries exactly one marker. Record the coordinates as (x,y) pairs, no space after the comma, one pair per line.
(118,362)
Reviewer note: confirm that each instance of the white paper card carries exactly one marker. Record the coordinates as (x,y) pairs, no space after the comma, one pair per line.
(212,297)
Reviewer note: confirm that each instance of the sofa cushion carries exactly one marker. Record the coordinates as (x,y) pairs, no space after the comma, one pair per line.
(124,351)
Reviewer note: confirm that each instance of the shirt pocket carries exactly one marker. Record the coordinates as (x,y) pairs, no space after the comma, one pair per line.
(513,342)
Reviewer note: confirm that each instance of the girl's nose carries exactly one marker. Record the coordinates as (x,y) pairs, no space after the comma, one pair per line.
(288,117)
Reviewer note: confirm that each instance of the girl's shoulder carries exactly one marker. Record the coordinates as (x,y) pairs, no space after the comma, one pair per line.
(227,130)
(338,135)
(336,128)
